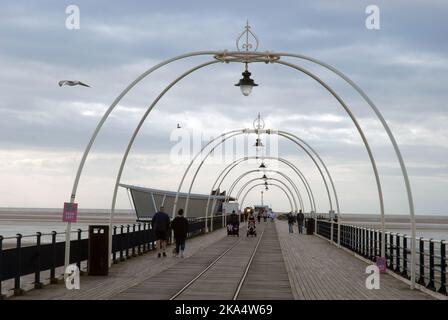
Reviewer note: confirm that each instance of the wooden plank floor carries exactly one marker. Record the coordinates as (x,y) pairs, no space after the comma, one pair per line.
(318,270)
(267,278)
(221,281)
(123,275)
(168,282)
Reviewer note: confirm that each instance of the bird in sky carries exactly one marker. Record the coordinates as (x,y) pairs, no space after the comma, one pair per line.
(72,83)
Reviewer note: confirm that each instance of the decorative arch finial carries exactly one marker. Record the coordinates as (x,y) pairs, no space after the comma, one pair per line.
(259,123)
(250,43)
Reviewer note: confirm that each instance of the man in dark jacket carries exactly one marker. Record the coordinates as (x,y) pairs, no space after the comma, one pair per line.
(180,228)
(161,224)
(300,219)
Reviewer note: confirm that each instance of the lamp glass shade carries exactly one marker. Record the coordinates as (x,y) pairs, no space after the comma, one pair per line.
(246,90)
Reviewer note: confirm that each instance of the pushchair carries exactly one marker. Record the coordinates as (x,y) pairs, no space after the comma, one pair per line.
(251,228)
(233,227)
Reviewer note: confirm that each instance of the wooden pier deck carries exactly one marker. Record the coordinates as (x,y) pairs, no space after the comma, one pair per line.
(273,265)
(319,270)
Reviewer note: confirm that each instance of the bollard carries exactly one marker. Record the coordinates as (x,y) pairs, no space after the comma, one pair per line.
(421,279)
(17,290)
(53,279)
(442,288)
(431,285)
(37,283)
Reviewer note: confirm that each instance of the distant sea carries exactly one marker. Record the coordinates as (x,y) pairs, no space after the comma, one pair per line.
(28,221)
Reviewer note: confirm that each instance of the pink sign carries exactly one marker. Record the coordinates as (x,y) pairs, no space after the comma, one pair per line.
(70,213)
(381,264)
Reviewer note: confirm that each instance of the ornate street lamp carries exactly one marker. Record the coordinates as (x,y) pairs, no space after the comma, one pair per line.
(258,143)
(246,83)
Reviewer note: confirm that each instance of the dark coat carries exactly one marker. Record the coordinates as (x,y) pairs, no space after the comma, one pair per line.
(234,219)
(291,219)
(160,221)
(180,227)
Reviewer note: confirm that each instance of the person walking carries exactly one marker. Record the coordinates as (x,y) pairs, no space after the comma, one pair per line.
(260,212)
(180,229)
(160,224)
(251,217)
(290,222)
(300,219)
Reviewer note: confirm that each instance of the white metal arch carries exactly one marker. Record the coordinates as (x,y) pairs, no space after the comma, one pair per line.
(284,134)
(268,179)
(223,174)
(270,184)
(257,57)
(237,180)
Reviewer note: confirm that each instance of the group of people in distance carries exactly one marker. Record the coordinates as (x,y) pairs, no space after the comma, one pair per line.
(262,213)
(300,218)
(162,225)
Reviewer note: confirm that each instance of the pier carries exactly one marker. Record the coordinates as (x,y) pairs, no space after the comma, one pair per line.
(273,265)
(117,257)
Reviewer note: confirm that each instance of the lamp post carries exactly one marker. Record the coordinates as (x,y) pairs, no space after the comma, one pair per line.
(262,197)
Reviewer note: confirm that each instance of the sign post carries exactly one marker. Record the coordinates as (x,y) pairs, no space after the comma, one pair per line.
(381,264)
(69,215)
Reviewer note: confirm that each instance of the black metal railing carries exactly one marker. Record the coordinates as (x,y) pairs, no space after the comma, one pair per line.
(431,253)
(34,254)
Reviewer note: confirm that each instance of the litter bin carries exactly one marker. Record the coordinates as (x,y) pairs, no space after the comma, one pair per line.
(310,226)
(98,257)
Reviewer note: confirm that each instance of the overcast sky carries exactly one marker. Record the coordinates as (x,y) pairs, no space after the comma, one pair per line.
(403,67)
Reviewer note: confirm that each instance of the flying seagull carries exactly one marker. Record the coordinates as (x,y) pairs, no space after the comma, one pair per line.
(72,83)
